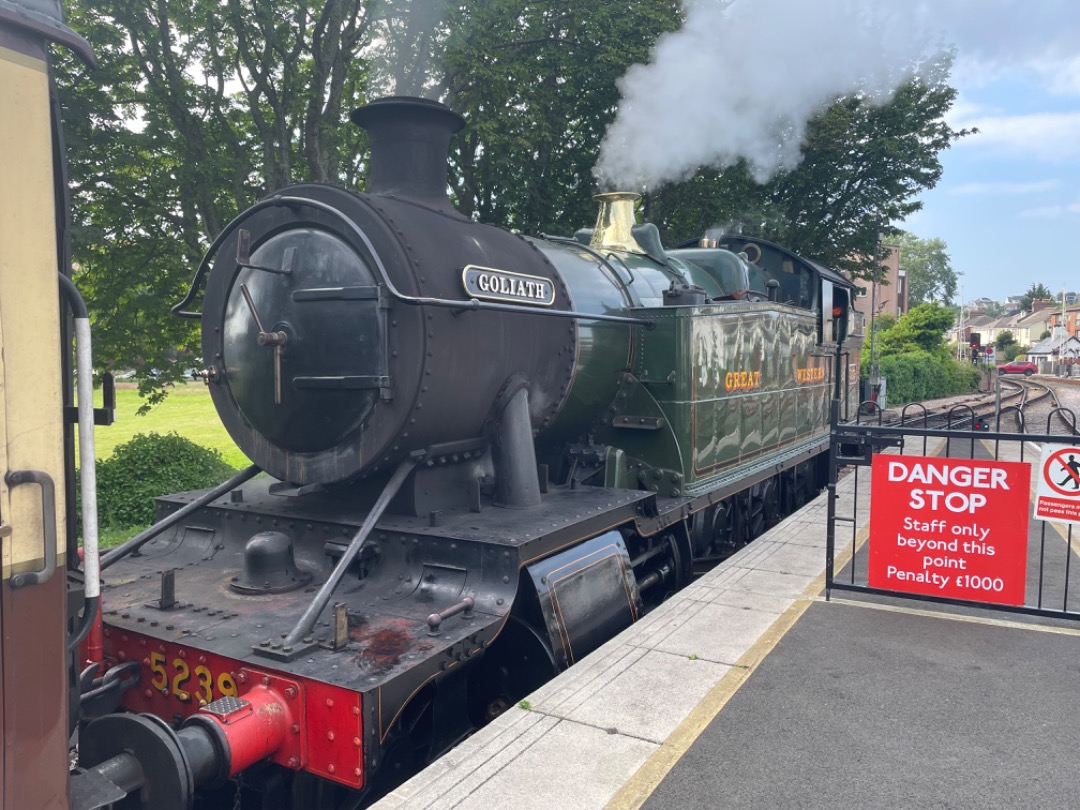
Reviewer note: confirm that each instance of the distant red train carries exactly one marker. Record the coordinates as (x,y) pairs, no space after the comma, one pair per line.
(485,455)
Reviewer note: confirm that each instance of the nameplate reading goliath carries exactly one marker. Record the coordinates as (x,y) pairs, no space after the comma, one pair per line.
(502,285)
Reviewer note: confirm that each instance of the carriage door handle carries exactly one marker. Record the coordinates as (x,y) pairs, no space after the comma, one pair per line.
(48,523)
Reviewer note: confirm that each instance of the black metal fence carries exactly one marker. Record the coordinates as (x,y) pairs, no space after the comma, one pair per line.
(1050,544)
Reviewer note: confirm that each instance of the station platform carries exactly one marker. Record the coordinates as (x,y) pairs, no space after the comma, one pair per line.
(749,690)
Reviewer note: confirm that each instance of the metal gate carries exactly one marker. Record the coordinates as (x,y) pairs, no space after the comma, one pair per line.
(1050,544)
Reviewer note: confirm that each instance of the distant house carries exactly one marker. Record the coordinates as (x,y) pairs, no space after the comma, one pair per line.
(962,331)
(989,329)
(1056,355)
(890,295)
(1070,319)
(1030,328)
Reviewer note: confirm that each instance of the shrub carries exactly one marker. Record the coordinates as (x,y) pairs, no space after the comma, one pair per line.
(148,466)
(918,375)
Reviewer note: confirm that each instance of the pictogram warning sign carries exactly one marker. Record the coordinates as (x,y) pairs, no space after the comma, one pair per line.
(1058,494)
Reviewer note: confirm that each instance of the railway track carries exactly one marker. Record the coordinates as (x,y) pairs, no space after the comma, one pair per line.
(1017,406)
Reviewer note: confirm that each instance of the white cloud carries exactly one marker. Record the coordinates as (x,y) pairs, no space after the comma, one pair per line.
(1001,187)
(1063,78)
(998,37)
(1050,137)
(1052,211)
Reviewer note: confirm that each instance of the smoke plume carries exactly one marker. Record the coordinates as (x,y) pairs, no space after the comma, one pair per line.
(741,81)
(742,78)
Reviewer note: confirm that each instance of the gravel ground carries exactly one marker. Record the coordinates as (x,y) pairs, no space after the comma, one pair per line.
(1068,396)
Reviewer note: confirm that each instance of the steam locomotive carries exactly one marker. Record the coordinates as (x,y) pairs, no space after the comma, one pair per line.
(476,457)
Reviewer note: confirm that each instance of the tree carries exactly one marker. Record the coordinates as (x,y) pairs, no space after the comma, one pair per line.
(1005,345)
(1035,292)
(862,167)
(922,328)
(930,275)
(196,110)
(1004,338)
(208,105)
(537,84)
(915,359)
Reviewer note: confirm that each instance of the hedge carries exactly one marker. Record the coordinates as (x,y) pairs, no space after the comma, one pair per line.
(917,376)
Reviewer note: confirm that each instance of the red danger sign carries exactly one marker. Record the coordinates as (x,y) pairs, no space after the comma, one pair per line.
(954,528)
(1057,495)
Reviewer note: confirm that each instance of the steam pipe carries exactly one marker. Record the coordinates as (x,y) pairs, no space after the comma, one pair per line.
(513,454)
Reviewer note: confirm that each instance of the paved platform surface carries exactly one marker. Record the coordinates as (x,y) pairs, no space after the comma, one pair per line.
(748,690)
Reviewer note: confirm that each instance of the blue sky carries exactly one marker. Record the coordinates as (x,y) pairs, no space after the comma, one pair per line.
(1008,204)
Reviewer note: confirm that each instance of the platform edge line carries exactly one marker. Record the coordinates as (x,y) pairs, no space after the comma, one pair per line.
(648,777)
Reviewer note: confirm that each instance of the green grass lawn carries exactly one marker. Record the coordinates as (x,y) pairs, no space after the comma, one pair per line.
(188,410)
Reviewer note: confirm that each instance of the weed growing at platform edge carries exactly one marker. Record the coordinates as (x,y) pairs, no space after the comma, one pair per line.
(524,704)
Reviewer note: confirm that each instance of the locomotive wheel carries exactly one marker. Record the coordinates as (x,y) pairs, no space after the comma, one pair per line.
(406,751)
(770,502)
(726,528)
(789,492)
(407,748)
(764,507)
(312,793)
(518,663)
(796,491)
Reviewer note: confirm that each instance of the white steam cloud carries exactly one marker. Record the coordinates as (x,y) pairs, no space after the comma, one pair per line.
(741,81)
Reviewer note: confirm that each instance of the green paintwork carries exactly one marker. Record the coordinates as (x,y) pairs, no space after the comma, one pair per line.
(661,400)
(732,383)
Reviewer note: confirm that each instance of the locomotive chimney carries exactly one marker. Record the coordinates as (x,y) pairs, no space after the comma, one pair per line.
(615,222)
(410,143)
